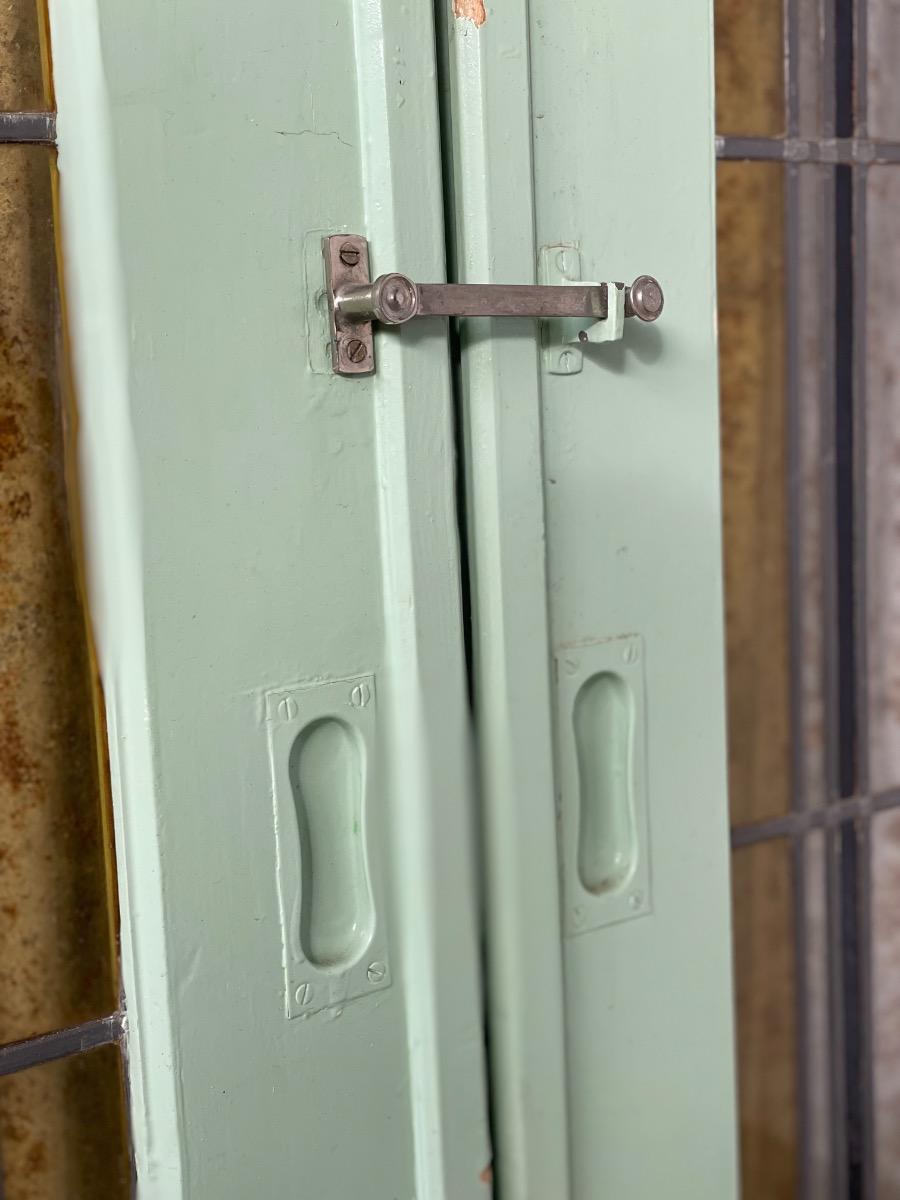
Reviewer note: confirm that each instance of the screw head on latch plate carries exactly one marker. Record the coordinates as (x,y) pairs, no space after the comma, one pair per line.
(349,254)
(355,350)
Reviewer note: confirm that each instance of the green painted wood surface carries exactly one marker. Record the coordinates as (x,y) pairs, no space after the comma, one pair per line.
(488,141)
(253,524)
(250,525)
(617,104)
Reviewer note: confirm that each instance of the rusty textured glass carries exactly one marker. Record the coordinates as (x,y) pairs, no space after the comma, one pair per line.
(765,979)
(883,474)
(814,190)
(22,76)
(886,994)
(56,954)
(818,1148)
(884,78)
(751,275)
(749,67)
(807,67)
(62,1130)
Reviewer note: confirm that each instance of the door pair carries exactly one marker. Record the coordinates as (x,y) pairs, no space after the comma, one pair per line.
(364,952)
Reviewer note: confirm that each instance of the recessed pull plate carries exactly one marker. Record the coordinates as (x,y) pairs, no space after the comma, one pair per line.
(604,815)
(327,815)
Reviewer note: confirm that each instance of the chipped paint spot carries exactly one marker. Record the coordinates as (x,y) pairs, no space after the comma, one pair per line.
(470,10)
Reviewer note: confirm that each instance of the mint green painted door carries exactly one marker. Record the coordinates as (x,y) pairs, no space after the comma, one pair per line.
(310,854)
(274,582)
(582,148)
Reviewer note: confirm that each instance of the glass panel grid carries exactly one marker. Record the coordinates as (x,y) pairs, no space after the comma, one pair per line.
(883,473)
(841,129)
(749,70)
(753,378)
(23,82)
(883,78)
(56,938)
(62,1130)
(886,954)
(765,989)
(63,1122)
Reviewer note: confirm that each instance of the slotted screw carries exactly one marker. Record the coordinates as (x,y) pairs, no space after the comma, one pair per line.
(349,254)
(356,350)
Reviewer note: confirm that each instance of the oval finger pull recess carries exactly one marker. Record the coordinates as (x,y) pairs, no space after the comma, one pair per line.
(604,741)
(327,772)
(328,857)
(603,803)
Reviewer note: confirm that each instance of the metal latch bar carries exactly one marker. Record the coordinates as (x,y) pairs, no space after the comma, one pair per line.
(355,301)
(394,299)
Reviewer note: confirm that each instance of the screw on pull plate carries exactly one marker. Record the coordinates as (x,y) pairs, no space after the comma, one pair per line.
(355,350)
(349,254)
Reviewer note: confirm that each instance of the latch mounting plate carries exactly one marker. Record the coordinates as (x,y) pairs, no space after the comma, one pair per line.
(347,265)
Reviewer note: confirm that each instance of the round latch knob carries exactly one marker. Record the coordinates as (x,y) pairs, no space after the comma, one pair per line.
(395,298)
(645,298)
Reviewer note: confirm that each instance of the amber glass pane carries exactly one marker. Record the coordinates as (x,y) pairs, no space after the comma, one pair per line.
(754,424)
(21,69)
(764,984)
(883,474)
(749,67)
(55,946)
(886,964)
(62,1130)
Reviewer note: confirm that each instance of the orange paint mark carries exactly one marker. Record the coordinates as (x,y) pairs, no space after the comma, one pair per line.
(471,10)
